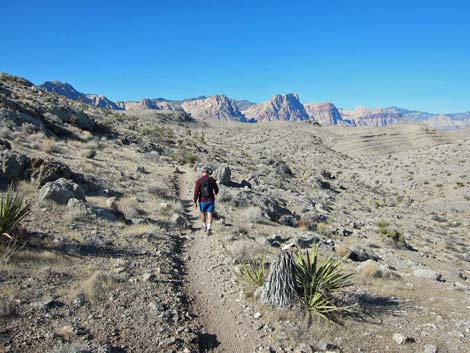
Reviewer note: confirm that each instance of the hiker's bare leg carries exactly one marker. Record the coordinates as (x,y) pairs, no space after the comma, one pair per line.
(203,219)
(209,220)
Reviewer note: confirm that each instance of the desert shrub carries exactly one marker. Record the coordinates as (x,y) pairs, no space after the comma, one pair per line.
(129,207)
(304,224)
(177,207)
(253,215)
(70,348)
(88,153)
(98,285)
(369,269)
(241,228)
(394,234)
(170,133)
(253,272)
(50,146)
(319,285)
(13,209)
(86,136)
(225,195)
(323,228)
(7,307)
(382,223)
(342,250)
(190,158)
(171,207)
(160,191)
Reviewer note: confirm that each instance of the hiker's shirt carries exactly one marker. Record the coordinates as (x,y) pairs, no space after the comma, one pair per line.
(213,190)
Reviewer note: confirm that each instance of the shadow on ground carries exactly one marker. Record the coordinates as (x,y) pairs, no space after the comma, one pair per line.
(207,341)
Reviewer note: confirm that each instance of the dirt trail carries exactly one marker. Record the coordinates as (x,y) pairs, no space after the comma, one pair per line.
(216,298)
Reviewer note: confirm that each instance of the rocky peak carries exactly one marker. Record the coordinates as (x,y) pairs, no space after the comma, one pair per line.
(62,89)
(218,107)
(326,114)
(68,91)
(286,107)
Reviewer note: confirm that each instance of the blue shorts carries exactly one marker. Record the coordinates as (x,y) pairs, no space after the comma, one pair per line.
(207,207)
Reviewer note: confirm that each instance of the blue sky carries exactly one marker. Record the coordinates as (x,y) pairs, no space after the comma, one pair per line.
(413,54)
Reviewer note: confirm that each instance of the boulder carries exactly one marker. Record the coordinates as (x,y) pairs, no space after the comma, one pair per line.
(223,175)
(327,175)
(430,348)
(270,208)
(375,269)
(427,274)
(44,171)
(361,254)
(71,116)
(61,191)
(402,339)
(305,241)
(80,207)
(14,165)
(5,145)
(288,220)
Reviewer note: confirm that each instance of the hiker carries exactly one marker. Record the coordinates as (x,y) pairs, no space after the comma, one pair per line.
(205,192)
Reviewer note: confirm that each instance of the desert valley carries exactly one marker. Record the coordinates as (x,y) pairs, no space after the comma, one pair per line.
(109,256)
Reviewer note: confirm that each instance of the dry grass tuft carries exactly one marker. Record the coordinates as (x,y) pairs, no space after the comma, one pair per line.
(51,146)
(369,269)
(129,207)
(323,229)
(138,230)
(98,286)
(161,191)
(65,332)
(253,215)
(342,250)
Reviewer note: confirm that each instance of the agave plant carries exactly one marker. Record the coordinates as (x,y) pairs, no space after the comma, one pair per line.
(13,209)
(253,272)
(319,284)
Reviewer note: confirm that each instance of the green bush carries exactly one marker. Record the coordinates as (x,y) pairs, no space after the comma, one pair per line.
(319,285)
(190,158)
(395,234)
(253,272)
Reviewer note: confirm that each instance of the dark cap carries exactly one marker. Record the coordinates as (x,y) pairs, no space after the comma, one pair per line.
(207,170)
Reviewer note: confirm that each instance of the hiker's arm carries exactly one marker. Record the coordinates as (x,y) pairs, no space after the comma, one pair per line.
(216,188)
(196,192)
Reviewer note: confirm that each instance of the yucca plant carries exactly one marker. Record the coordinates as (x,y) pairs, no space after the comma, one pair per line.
(253,272)
(318,285)
(13,209)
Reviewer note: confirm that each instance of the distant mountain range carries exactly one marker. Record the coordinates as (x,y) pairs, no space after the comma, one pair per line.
(281,107)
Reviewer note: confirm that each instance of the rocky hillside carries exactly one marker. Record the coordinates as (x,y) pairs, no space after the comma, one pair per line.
(67,90)
(281,107)
(363,116)
(155,104)
(112,258)
(218,107)
(449,122)
(326,114)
